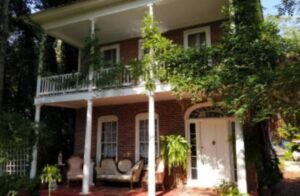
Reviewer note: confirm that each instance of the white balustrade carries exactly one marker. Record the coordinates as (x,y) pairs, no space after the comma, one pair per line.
(72,82)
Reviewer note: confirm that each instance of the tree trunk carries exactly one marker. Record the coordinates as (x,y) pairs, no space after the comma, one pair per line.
(3,44)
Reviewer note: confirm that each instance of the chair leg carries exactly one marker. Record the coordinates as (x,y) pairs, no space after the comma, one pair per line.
(68,184)
(131,184)
(163,187)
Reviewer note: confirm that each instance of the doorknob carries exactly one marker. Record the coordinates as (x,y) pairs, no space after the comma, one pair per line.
(213,142)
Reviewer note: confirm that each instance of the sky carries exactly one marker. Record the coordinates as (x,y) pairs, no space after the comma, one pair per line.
(270,6)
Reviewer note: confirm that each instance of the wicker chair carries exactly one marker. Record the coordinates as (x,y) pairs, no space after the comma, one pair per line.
(75,171)
(159,174)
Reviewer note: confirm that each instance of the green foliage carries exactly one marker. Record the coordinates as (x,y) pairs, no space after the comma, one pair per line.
(105,74)
(228,189)
(288,132)
(288,156)
(16,130)
(175,151)
(50,175)
(11,185)
(151,67)
(290,7)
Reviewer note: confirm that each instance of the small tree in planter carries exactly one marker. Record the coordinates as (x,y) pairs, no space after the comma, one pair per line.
(175,151)
(50,175)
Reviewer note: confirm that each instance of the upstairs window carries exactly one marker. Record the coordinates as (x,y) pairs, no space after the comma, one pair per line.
(197,37)
(111,54)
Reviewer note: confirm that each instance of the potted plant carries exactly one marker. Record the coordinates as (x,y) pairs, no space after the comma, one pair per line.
(50,175)
(175,152)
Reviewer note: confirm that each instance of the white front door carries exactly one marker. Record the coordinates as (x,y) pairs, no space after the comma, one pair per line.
(210,154)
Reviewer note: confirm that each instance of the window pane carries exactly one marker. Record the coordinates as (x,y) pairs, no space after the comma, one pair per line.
(143,136)
(110,56)
(197,39)
(193,152)
(108,140)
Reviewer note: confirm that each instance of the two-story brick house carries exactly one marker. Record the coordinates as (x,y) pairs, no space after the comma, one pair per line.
(113,122)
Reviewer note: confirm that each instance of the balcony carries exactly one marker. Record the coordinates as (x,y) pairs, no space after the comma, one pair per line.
(75,83)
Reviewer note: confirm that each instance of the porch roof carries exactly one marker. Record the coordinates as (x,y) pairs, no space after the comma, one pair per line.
(117,20)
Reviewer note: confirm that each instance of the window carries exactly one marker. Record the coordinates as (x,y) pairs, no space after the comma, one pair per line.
(142,137)
(110,54)
(197,37)
(107,137)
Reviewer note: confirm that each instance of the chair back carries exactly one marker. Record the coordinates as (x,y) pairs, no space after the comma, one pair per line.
(124,165)
(108,166)
(75,163)
(160,165)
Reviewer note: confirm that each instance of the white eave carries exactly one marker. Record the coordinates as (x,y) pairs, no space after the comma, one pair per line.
(121,19)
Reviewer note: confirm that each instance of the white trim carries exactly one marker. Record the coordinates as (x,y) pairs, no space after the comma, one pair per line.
(196,106)
(105,93)
(240,157)
(96,14)
(111,47)
(138,117)
(205,29)
(190,182)
(102,119)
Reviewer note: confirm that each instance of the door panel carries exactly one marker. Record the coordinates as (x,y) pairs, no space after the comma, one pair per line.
(213,160)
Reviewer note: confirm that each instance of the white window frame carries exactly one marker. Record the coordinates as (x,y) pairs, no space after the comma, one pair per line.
(103,119)
(143,116)
(205,29)
(111,47)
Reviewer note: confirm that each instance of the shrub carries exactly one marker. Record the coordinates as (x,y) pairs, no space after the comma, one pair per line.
(228,189)
(10,184)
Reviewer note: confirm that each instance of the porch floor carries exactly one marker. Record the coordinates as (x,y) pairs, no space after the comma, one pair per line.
(101,189)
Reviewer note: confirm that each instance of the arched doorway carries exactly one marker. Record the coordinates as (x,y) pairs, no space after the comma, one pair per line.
(209,132)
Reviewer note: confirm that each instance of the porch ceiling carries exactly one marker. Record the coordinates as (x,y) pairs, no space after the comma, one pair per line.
(121,19)
(113,100)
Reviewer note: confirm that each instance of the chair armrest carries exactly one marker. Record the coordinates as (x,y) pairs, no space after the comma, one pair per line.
(136,171)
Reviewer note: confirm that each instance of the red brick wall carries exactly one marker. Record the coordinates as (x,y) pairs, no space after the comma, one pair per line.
(171,114)
(171,121)
(129,49)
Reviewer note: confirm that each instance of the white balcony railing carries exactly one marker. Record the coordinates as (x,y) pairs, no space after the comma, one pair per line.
(73,82)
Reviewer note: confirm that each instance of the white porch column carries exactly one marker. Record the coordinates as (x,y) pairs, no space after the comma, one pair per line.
(240,157)
(91,74)
(151,128)
(87,148)
(151,147)
(35,148)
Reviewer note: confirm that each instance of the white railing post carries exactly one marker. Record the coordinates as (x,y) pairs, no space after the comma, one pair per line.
(240,157)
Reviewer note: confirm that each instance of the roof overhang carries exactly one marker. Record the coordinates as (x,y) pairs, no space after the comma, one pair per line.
(121,19)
